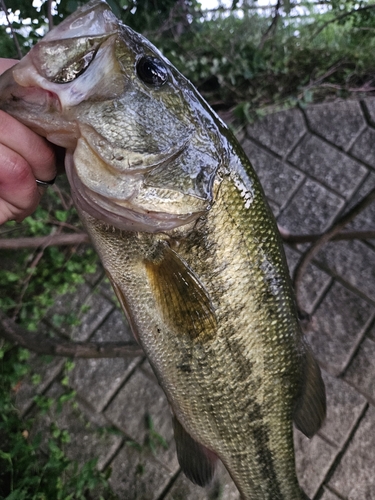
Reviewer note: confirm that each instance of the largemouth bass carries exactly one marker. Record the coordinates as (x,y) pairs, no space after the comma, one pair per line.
(188,241)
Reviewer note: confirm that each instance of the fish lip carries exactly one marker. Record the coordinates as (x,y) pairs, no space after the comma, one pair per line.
(122,218)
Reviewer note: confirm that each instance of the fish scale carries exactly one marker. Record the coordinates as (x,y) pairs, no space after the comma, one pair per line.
(184,232)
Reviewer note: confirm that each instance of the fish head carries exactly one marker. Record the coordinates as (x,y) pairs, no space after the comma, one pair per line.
(143,148)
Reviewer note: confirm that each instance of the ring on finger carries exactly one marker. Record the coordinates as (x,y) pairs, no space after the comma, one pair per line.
(45,184)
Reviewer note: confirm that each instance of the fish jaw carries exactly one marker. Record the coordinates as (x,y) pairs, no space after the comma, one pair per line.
(89,61)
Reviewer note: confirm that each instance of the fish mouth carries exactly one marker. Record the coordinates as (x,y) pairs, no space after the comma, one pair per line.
(125,213)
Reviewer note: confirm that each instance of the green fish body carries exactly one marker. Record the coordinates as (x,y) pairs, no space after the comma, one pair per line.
(181,224)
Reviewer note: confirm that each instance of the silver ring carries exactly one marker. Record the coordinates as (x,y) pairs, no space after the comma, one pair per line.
(45,183)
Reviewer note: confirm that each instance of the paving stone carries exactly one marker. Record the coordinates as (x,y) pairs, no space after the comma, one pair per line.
(311,210)
(91,314)
(314,283)
(139,400)
(365,221)
(279,131)
(344,405)
(364,147)
(317,158)
(354,477)
(94,278)
(221,488)
(353,262)
(88,437)
(43,370)
(314,458)
(136,475)
(329,495)
(337,326)
(96,380)
(361,371)
(275,208)
(278,179)
(105,288)
(64,313)
(370,106)
(339,122)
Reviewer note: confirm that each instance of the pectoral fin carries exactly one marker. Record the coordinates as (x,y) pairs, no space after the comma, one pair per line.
(310,409)
(196,461)
(182,298)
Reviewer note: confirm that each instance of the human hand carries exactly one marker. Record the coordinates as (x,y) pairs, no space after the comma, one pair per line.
(24,157)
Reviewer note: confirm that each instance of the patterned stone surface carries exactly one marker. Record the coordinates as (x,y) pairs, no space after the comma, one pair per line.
(369,109)
(364,147)
(279,179)
(354,476)
(338,122)
(278,132)
(315,157)
(337,327)
(361,372)
(311,210)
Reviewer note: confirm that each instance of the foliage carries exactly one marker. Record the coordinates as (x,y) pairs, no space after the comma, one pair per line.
(243,57)
(25,472)
(30,283)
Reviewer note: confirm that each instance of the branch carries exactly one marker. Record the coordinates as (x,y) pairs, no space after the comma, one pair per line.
(273,24)
(49,14)
(41,344)
(44,241)
(15,39)
(342,16)
(326,237)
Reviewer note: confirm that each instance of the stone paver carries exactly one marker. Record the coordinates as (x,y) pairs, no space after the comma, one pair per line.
(316,158)
(369,105)
(314,458)
(279,132)
(330,495)
(361,372)
(141,408)
(311,210)
(351,262)
(83,427)
(313,165)
(326,120)
(344,407)
(364,147)
(136,475)
(354,476)
(279,179)
(338,325)
(314,284)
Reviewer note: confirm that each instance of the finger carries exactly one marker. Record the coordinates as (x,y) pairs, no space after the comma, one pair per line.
(38,153)
(18,191)
(6,64)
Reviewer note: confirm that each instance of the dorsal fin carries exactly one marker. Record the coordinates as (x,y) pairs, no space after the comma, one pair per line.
(182,298)
(196,461)
(310,408)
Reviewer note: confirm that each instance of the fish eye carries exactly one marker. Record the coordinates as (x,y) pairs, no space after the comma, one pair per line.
(152,71)
(74,69)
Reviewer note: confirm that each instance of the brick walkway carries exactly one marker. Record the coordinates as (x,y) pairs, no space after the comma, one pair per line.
(313,165)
